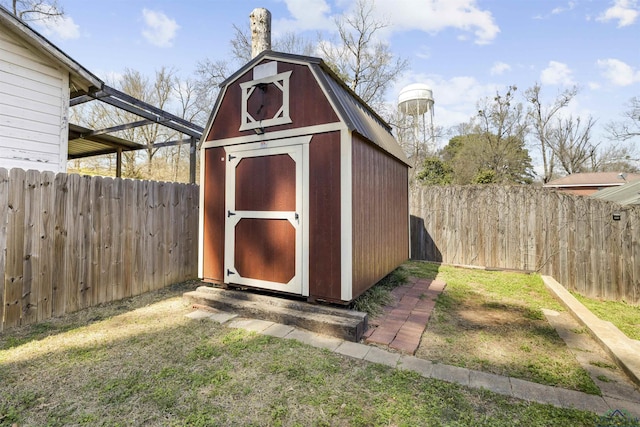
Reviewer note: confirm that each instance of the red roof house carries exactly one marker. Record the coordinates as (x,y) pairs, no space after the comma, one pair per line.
(585,184)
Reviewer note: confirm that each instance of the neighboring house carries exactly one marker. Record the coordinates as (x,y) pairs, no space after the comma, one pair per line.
(585,184)
(627,194)
(38,85)
(36,79)
(304,190)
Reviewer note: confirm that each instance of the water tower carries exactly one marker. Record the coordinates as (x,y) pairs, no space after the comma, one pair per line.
(415,133)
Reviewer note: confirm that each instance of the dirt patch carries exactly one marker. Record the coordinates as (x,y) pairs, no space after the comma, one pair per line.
(479,318)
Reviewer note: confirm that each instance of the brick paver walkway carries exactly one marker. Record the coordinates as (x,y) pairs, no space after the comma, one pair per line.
(402,323)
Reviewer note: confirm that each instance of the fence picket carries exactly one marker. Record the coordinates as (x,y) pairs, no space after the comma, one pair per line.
(58,290)
(139,210)
(572,238)
(46,245)
(83,241)
(73,244)
(129,191)
(96,227)
(68,242)
(116,206)
(31,263)
(4,213)
(14,273)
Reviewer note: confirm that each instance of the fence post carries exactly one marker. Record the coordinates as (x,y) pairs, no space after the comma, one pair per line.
(4,211)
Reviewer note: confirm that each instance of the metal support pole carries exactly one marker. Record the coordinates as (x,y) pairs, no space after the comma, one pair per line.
(119,163)
(192,160)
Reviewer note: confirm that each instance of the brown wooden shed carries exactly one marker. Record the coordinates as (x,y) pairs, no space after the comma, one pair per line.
(304,189)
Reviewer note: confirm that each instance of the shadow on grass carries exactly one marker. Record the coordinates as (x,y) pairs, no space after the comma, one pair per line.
(21,335)
(490,332)
(198,373)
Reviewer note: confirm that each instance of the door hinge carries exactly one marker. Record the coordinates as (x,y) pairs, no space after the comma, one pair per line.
(297,216)
(231,157)
(229,272)
(229,213)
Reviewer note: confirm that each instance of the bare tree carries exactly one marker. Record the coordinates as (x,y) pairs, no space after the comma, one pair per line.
(365,63)
(241,43)
(35,10)
(191,108)
(502,116)
(629,127)
(617,157)
(157,92)
(289,42)
(501,126)
(570,143)
(208,76)
(542,118)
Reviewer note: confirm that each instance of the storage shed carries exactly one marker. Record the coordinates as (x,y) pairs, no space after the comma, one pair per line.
(304,190)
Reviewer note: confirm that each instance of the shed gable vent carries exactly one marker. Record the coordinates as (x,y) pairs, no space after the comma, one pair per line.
(265,101)
(265,70)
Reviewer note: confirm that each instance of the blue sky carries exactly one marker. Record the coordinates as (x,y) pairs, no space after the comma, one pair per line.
(463,49)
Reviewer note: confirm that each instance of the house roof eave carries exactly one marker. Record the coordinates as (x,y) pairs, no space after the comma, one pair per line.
(81,78)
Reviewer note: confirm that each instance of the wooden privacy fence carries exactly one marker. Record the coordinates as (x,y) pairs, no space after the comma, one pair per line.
(575,239)
(68,242)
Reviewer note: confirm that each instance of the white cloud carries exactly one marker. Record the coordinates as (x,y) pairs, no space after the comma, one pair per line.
(432,16)
(61,27)
(624,11)
(160,30)
(423,52)
(619,73)
(560,9)
(306,15)
(557,73)
(499,68)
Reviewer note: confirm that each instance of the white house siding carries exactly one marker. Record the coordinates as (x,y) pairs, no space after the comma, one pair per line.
(34,104)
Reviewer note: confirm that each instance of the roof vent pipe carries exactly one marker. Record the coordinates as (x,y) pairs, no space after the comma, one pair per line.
(260,31)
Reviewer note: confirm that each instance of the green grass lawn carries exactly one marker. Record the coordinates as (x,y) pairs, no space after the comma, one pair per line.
(141,362)
(492,321)
(626,317)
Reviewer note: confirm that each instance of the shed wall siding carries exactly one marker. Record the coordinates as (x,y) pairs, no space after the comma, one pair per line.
(380,215)
(213,220)
(33,109)
(308,104)
(324,217)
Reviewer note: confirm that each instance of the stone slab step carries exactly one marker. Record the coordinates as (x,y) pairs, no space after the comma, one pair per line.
(337,322)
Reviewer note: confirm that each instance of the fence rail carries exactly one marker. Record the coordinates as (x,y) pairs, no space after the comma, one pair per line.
(68,242)
(572,238)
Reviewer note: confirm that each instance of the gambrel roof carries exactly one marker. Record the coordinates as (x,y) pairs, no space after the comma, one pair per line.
(350,108)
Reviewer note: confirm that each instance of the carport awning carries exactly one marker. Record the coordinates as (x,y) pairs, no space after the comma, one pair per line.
(82,143)
(85,142)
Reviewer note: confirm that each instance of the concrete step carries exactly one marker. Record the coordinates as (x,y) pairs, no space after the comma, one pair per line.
(333,321)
